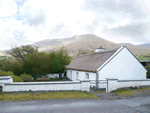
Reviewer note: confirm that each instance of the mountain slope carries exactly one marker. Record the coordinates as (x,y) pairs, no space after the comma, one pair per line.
(144,45)
(85,42)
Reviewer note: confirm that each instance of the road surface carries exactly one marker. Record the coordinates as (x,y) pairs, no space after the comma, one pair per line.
(132,105)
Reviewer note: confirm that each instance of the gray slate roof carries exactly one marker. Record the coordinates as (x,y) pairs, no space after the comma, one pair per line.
(90,62)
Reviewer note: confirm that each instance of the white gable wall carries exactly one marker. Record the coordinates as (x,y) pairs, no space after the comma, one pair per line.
(92,76)
(124,66)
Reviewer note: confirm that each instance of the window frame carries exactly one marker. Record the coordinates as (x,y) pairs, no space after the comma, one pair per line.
(86,75)
(77,75)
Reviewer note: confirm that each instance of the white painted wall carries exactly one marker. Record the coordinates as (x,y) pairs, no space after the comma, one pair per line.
(115,84)
(92,76)
(6,79)
(53,75)
(121,83)
(47,86)
(124,66)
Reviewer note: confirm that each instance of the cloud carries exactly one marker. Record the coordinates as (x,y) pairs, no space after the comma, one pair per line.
(28,21)
(137,32)
(37,19)
(7,8)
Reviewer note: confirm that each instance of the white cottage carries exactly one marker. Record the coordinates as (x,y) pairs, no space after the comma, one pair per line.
(119,63)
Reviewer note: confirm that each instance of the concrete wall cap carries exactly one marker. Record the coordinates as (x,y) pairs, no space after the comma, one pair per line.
(111,78)
(5,77)
(42,83)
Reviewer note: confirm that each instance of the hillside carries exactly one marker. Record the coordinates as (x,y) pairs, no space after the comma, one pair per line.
(144,45)
(85,42)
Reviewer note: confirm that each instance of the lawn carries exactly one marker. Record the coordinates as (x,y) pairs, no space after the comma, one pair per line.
(127,92)
(142,58)
(46,95)
(100,91)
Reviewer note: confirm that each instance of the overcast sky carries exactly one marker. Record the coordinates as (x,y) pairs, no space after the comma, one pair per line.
(27,21)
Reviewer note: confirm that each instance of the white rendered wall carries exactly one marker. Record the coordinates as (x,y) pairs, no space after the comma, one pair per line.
(6,79)
(116,84)
(47,86)
(126,83)
(123,66)
(52,75)
(92,76)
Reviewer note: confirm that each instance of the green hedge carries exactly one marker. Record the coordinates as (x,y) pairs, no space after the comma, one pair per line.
(148,71)
(8,73)
(26,77)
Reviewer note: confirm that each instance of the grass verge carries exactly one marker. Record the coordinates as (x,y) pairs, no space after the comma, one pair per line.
(100,91)
(46,95)
(127,92)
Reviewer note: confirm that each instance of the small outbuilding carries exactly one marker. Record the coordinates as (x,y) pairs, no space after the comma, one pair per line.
(101,64)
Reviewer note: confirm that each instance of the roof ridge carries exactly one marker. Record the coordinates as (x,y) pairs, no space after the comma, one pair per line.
(98,52)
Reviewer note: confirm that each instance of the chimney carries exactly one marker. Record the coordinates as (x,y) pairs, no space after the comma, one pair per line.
(100,49)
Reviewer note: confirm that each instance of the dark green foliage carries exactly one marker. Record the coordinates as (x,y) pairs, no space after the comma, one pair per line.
(26,77)
(43,63)
(8,73)
(148,71)
(52,79)
(11,65)
(22,52)
(60,59)
(37,64)
(17,79)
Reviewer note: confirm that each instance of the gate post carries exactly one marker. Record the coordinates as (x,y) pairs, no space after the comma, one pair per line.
(111,84)
(97,80)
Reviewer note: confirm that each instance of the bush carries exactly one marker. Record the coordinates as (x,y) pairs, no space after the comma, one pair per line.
(26,77)
(14,66)
(17,79)
(52,79)
(148,71)
(6,73)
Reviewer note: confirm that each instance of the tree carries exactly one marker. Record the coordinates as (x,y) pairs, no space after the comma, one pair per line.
(37,64)
(60,59)
(21,52)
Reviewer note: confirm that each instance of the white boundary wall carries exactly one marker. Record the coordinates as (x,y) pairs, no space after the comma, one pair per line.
(114,84)
(53,75)
(83,85)
(6,79)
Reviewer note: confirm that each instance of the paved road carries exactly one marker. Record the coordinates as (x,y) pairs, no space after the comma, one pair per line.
(132,105)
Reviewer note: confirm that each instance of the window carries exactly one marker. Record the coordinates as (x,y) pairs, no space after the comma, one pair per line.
(86,75)
(77,75)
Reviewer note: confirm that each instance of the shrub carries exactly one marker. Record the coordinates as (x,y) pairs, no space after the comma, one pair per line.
(26,77)
(52,79)
(6,73)
(17,79)
(14,66)
(148,71)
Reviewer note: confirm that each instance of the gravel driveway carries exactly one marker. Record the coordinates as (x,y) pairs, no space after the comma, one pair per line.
(113,96)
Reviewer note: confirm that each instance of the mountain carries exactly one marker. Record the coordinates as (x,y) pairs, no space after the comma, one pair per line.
(85,42)
(126,44)
(144,45)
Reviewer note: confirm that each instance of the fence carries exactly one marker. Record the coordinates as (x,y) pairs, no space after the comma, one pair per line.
(82,85)
(114,84)
(100,85)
